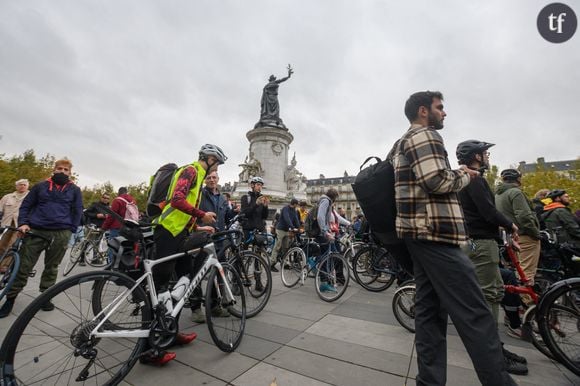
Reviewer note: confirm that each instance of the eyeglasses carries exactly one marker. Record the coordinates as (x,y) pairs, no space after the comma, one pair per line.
(487,153)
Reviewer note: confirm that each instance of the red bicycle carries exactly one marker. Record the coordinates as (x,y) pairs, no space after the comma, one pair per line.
(530,329)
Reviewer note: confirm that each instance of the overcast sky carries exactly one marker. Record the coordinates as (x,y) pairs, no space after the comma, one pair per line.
(122,87)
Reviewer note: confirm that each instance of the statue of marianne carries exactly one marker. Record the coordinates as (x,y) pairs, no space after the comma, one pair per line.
(270,107)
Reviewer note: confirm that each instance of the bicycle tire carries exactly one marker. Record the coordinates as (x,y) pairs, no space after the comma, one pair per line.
(225,331)
(76,258)
(7,277)
(403,305)
(99,261)
(364,273)
(530,329)
(563,309)
(293,264)
(333,271)
(59,341)
(255,269)
(349,256)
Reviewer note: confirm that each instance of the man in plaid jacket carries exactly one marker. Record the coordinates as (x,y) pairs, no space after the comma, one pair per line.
(430,221)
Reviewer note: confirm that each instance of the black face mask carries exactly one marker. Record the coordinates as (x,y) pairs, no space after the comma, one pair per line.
(60,178)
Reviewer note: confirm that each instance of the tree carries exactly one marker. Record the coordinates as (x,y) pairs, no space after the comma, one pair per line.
(492,177)
(26,166)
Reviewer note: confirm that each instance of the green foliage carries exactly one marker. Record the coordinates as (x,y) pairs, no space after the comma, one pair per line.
(492,176)
(542,179)
(27,165)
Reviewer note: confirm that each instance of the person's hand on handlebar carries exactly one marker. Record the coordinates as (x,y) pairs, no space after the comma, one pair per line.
(205,228)
(208,218)
(515,235)
(23,229)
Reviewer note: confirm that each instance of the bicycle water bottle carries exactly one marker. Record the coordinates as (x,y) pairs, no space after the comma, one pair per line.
(180,287)
(165,299)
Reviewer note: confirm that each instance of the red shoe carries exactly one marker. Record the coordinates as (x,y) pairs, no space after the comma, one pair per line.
(185,338)
(160,360)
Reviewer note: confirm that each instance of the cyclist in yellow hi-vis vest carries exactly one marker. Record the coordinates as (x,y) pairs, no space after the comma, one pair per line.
(175,223)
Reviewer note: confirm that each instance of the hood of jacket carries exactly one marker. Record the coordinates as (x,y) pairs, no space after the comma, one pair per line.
(505,186)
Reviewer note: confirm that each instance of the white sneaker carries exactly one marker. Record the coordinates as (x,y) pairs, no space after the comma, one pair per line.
(198,316)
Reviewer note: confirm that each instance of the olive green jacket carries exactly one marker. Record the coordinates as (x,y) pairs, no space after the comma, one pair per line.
(560,220)
(513,203)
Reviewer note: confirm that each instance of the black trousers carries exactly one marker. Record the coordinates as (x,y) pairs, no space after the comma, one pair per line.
(447,286)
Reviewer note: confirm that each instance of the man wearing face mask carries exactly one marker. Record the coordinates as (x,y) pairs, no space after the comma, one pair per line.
(52,209)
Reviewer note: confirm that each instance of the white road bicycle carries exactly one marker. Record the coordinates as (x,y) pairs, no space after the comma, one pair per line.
(104,320)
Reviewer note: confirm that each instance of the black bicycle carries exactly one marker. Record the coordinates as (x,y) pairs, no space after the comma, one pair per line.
(92,250)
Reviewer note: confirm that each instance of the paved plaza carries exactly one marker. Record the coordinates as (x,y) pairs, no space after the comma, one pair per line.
(300,340)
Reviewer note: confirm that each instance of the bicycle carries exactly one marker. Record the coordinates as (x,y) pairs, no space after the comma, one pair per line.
(330,269)
(10,260)
(253,269)
(92,250)
(350,246)
(561,306)
(104,319)
(374,268)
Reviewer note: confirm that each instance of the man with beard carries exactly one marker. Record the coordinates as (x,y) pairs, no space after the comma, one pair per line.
(430,221)
(52,209)
(483,222)
(558,215)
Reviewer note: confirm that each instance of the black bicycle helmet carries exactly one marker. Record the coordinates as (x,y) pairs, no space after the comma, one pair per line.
(556,193)
(510,174)
(467,149)
(209,149)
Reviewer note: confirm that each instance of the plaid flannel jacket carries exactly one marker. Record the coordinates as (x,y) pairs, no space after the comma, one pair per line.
(426,188)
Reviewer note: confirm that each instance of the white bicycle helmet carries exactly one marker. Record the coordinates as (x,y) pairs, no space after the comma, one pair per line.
(257,180)
(209,149)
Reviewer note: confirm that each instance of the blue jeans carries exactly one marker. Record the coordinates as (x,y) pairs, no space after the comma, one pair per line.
(112,234)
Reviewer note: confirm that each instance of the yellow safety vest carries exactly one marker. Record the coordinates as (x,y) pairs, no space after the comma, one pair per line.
(173,219)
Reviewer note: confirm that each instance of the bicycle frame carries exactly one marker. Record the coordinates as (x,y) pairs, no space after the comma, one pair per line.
(525,288)
(109,309)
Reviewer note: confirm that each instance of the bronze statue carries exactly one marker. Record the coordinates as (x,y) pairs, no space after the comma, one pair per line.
(270,107)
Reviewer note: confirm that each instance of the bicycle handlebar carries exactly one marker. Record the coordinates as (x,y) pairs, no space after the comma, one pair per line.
(29,233)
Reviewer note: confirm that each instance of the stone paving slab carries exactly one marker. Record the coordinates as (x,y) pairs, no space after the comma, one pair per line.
(329,370)
(265,374)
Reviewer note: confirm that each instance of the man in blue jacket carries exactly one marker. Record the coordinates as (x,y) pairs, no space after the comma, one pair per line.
(288,221)
(52,209)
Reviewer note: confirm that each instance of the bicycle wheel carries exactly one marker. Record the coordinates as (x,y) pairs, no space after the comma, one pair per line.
(366,273)
(531,329)
(293,264)
(404,306)
(226,319)
(10,261)
(332,277)
(76,254)
(257,281)
(93,257)
(559,323)
(57,347)
(349,256)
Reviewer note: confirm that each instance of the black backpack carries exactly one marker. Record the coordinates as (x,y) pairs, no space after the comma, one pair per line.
(159,188)
(374,189)
(311,227)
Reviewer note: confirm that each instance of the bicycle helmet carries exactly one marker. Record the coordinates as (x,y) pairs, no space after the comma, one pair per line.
(556,193)
(209,149)
(510,174)
(257,180)
(467,149)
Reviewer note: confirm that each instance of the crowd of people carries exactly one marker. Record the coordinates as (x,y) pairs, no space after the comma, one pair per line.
(448,219)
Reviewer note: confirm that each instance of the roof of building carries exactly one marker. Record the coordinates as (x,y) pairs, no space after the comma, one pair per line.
(557,166)
(331,181)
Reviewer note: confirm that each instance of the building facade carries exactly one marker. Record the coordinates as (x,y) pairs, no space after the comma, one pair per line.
(346,199)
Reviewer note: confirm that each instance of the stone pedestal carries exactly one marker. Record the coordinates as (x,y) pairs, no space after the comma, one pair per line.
(269,147)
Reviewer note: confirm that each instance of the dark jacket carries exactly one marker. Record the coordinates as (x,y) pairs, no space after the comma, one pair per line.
(92,211)
(218,204)
(482,218)
(255,214)
(52,207)
(557,215)
(119,207)
(288,219)
(513,203)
